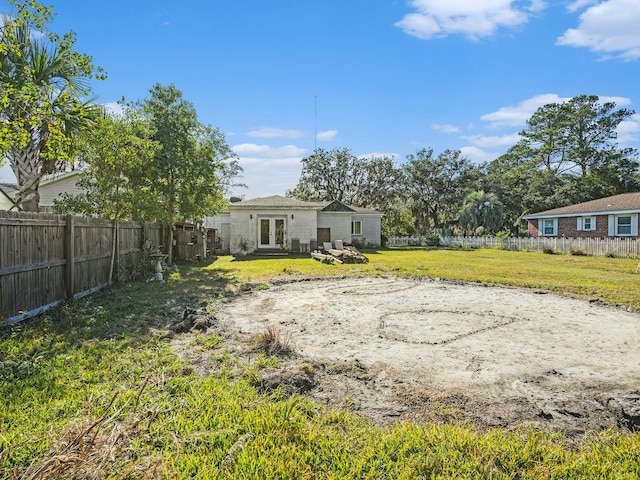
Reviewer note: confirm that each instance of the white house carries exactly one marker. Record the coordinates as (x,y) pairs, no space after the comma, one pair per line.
(279,223)
(53,186)
(7,193)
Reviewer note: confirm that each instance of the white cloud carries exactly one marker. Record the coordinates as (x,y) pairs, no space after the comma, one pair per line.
(493,141)
(515,116)
(477,155)
(326,135)
(267,151)
(475,19)
(114,108)
(268,170)
(608,27)
(579,5)
(445,128)
(269,132)
(629,131)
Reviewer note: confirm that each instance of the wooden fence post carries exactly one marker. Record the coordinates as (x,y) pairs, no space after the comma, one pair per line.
(69,254)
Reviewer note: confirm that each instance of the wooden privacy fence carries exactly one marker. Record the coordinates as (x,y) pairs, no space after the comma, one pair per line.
(615,247)
(47,258)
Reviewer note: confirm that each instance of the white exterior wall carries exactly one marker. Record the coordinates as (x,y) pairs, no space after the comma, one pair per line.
(221,223)
(303,226)
(5,203)
(338,222)
(50,191)
(245,230)
(371,230)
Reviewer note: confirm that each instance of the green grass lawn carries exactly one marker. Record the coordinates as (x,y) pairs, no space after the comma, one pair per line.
(612,280)
(93,388)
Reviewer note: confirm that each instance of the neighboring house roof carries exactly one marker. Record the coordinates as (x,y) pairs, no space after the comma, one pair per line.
(278,201)
(625,202)
(58,176)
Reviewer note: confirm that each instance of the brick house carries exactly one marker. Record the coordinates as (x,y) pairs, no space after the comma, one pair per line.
(615,216)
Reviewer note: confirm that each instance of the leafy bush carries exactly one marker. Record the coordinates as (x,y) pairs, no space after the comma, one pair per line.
(433,240)
(502,237)
(548,250)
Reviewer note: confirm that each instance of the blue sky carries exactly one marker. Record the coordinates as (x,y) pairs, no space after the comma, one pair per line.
(376,76)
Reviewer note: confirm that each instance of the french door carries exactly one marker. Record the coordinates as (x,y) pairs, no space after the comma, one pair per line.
(271,233)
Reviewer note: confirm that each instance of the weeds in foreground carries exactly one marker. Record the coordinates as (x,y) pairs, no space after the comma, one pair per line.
(90,391)
(272,342)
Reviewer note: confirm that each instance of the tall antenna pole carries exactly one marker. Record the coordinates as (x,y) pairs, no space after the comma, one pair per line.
(315,123)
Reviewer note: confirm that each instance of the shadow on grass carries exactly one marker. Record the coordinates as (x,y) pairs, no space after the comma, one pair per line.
(128,310)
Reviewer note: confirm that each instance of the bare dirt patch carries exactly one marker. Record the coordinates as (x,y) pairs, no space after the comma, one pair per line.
(439,351)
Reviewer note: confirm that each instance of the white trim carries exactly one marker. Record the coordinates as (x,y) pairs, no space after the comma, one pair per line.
(554,228)
(582,214)
(582,224)
(633,225)
(579,224)
(612,225)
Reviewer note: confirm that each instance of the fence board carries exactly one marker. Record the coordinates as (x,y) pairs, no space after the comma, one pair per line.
(47,258)
(623,247)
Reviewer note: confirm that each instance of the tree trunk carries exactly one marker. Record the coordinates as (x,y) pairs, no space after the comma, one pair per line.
(26,166)
(171,228)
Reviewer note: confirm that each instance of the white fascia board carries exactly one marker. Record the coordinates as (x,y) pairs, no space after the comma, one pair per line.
(585,214)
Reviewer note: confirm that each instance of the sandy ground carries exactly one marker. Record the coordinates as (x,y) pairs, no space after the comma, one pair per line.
(439,351)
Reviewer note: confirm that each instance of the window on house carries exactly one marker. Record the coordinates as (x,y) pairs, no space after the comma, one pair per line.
(549,226)
(356,227)
(589,223)
(623,225)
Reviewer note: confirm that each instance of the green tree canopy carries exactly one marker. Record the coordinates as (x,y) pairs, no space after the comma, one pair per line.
(194,165)
(44,96)
(481,210)
(339,175)
(577,137)
(117,155)
(434,187)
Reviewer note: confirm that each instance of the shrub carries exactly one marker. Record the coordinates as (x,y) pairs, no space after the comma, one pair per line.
(433,240)
(548,250)
(577,252)
(502,237)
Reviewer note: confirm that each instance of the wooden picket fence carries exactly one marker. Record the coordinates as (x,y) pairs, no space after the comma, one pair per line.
(47,258)
(615,247)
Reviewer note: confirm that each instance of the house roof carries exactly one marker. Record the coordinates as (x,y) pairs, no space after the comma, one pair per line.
(625,202)
(280,202)
(274,201)
(337,206)
(55,177)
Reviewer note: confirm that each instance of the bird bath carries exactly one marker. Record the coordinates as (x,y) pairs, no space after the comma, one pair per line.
(159,258)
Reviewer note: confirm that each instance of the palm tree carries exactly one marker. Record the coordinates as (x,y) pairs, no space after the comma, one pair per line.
(42,84)
(481,209)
